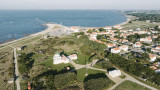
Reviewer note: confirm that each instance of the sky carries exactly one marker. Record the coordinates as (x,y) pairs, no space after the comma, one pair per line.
(79,4)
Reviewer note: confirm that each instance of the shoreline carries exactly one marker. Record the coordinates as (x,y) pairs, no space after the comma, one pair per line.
(50,27)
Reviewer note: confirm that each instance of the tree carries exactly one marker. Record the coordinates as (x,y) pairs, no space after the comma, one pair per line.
(101,29)
(89,31)
(62,80)
(97,84)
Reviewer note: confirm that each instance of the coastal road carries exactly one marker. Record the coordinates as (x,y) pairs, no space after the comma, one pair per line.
(16,70)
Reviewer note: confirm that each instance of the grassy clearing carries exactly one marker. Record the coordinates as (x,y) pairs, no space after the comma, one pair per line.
(81,73)
(5,72)
(49,64)
(139,24)
(128,85)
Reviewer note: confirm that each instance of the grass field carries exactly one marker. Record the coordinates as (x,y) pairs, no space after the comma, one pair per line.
(49,64)
(81,73)
(139,24)
(128,85)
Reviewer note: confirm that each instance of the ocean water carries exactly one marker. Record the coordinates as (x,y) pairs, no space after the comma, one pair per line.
(18,23)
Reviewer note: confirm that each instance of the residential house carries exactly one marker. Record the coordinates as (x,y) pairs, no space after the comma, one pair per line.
(115,50)
(73,57)
(152,57)
(137,45)
(124,47)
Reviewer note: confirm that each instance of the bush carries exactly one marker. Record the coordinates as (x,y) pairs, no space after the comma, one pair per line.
(62,80)
(97,84)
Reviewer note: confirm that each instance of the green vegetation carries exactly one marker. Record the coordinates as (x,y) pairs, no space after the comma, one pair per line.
(135,68)
(102,64)
(97,81)
(101,29)
(81,73)
(144,17)
(25,62)
(139,24)
(128,85)
(62,80)
(49,64)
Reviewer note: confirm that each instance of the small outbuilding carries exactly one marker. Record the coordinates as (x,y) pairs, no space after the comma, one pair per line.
(115,73)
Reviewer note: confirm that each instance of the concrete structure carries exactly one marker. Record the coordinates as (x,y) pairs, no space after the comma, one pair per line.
(115,73)
(57,59)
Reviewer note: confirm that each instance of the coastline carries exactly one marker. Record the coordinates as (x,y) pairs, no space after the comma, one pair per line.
(129,18)
(52,27)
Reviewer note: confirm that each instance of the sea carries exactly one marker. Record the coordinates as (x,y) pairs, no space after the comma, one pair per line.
(15,24)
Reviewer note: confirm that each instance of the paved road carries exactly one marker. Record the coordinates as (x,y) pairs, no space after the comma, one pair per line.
(16,70)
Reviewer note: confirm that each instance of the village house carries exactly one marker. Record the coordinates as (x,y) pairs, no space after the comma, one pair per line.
(57,59)
(153,67)
(147,39)
(155,50)
(137,45)
(93,36)
(117,27)
(114,73)
(108,28)
(152,58)
(115,50)
(74,29)
(73,57)
(110,45)
(124,47)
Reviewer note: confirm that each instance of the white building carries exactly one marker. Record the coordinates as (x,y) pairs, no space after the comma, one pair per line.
(137,45)
(73,57)
(148,39)
(93,36)
(115,73)
(74,29)
(124,47)
(57,59)
(152,57)
(115,50)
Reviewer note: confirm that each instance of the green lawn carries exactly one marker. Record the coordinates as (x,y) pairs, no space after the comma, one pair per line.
(81,73)
(128,85)
(58,67)
(138,24)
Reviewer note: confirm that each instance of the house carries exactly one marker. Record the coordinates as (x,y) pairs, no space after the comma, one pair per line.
(19,48)
(152,57)
(74,29)
(110,45)
(124,47)
(153,67)
(108,28)
(155,50)
(117,27)
(158,47)
(148,39)
(115,73)
(57,59)
(73,57)
(115,50)
(137,45)
(93,35)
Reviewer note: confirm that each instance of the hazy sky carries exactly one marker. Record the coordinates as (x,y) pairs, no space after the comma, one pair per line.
(79,4)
